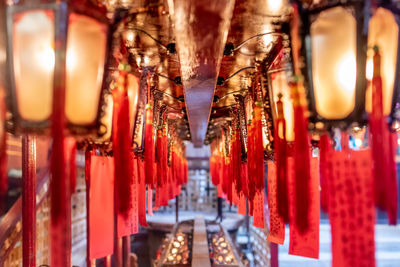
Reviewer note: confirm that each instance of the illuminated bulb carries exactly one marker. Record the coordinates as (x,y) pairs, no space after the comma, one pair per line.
(146,60)
(138,61)
(179,238)
(129,36)
(46,58)
(370,69)
(267,38)
(170,258)
(177,244)
(174,251)
(274,5)
(71,59)
(358,142)
(346,73)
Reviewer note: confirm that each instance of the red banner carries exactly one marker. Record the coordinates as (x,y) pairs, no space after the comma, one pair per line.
(351,208)
(101,207)
(305,243)
(276,222)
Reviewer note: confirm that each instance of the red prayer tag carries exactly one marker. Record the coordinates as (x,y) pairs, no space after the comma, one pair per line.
(150,202)
(258,212)
(306,243)
(276,222)
(351,208)
(101,207)
(242,204)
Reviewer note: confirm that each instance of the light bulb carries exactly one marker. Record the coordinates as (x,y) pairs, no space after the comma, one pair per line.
(346,72)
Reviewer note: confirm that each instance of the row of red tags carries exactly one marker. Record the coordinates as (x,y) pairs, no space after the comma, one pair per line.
(348,190)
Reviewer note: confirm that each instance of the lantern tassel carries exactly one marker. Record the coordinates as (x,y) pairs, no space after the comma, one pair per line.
(281,162)
(382,148)
(122,158)
(301,160)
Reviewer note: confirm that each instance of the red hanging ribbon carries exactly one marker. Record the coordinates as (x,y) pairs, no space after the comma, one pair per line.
(325,147)
(281,160)
(301,160)
(142,192)
(382,144)
(149,152)
(121,146)
(100,217)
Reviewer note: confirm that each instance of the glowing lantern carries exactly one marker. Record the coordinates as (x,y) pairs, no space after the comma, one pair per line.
(54,47)
(333,49)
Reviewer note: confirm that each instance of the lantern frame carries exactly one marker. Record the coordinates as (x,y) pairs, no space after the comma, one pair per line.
(358,9)
(61,11)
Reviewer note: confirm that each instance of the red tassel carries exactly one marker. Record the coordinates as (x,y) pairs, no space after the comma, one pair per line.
(250,161)
(258,149)
(121,145)
(3,153)
(382,149)
(302,161)
(149,147)
(159,148)
(142,192)
(281,163)
(325,147)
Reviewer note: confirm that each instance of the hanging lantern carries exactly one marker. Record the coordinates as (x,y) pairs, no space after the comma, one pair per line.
(333,48)
(384,33)
(51,46)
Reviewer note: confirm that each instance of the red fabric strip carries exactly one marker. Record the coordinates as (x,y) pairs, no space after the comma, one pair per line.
(127,225)
(242,204)
(276,222)
(101,217)
(305,243)
(142,193)
(122,157)
(150,202)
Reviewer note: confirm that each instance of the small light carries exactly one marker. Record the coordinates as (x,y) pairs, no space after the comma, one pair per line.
(177,244)
(274,6)
(174,251)
(358,142)
(346,72)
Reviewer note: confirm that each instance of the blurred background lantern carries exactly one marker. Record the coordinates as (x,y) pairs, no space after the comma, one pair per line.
(384,33)
(279,86)
(51,46)
(140,112)
(334,42)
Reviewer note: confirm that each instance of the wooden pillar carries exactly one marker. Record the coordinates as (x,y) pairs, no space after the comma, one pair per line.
(29,201)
